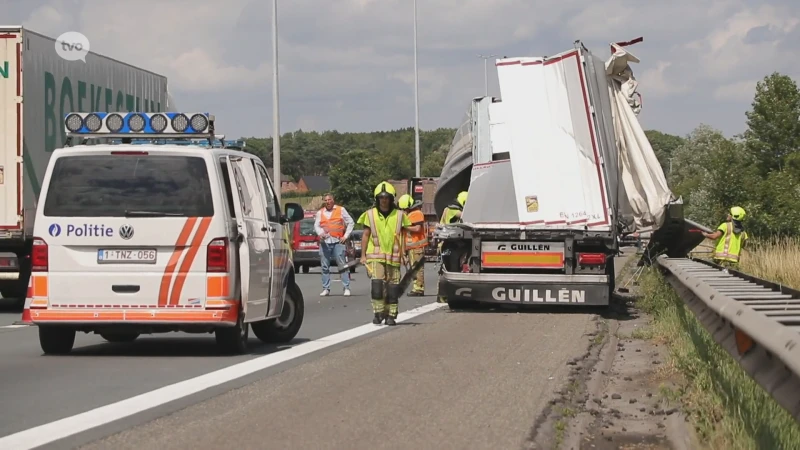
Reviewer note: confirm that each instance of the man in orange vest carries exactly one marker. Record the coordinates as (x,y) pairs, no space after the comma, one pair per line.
(415,241)
(333,225)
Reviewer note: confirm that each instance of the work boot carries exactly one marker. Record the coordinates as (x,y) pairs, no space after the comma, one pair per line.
(378,319)
(390,321)
(416,294)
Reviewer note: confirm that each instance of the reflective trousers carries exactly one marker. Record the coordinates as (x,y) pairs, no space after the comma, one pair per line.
(390,275)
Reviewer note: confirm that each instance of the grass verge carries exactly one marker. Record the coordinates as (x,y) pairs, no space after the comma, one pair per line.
(728,409)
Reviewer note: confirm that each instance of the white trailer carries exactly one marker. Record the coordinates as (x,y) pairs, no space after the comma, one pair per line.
(554,173)
(38,89)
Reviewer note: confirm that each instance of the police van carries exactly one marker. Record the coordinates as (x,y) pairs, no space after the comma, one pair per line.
(141,228)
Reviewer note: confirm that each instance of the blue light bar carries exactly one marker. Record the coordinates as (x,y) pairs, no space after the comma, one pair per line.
(216,143)
(165,125)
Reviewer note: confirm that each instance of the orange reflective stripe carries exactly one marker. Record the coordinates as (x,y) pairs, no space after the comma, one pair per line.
(333,225)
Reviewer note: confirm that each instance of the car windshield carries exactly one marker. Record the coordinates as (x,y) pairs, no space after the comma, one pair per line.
(129,186)
(307,227)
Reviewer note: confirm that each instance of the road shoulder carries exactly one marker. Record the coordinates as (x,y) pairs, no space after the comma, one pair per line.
(619,393)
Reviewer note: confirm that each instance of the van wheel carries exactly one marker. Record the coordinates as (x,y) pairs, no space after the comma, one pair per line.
(233,340)
(284,328)
(297,268)
(306,269)
(119,337)
(56,340)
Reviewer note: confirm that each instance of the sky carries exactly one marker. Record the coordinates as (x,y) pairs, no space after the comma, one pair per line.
(348,64)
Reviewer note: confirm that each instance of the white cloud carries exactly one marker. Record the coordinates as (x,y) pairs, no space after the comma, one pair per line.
(740,91)
(348,64)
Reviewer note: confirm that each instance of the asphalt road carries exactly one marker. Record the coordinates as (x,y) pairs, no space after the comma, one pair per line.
(38,389)
(458,379)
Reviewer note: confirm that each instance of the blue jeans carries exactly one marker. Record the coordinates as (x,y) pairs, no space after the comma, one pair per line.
(328,252)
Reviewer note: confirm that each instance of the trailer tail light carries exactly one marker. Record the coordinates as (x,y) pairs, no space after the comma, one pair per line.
(591,259)
(39,256)
(217,256)
(130,153)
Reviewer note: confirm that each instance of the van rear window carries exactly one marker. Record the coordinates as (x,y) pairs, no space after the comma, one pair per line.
(129,185)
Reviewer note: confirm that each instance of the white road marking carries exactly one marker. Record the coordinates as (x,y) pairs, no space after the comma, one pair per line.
(14,326)
(60,429)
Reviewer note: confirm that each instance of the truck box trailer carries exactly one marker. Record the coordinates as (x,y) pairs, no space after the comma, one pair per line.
(555,171)
(39,89)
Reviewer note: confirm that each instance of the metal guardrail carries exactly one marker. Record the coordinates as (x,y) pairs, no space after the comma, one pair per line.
(756,321)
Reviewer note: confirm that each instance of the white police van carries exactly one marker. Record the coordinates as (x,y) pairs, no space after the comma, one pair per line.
(166,235)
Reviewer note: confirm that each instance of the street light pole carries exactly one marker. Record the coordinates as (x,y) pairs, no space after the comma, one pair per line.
(416,97)
(486,72)
(276,123)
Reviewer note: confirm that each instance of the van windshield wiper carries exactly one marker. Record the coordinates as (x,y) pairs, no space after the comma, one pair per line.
(138,213)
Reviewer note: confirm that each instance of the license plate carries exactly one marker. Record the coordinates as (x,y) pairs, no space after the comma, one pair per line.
(120,255)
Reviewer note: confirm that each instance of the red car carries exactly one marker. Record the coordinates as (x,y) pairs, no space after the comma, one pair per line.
(305,245)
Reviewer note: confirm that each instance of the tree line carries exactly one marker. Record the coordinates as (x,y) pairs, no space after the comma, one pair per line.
(758,169)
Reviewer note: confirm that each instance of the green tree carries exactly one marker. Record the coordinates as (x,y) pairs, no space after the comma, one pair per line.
(664,146)
(353,180)
(703,174)
(773,126)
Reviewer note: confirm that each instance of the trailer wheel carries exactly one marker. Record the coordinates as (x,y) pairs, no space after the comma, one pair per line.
(454,304)
(56,340)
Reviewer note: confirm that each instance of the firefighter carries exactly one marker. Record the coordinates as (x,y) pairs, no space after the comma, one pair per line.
(382,244)
(415,242)
(730,237)
(451,214)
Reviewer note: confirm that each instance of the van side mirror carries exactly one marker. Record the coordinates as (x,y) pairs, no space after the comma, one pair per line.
(293,213)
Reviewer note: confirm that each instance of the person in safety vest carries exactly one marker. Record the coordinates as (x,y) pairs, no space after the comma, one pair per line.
(382,251)
(415,241)
(333,225)
(730,236)
(452,213)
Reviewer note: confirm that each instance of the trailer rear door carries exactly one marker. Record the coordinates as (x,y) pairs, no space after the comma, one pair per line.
(10,129)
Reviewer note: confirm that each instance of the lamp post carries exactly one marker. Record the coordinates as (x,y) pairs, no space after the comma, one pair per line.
(486,72)
(276,123)
(416,97)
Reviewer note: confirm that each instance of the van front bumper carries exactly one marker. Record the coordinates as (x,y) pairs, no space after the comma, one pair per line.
(526,289)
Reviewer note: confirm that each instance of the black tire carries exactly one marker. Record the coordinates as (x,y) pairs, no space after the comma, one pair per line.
(353,269)
(454,304)
(306,269)
(56,340)
(233,340)
(297,268)
(284,328)
(119,337)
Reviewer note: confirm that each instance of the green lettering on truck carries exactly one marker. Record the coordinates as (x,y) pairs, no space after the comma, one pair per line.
(120,101)
(4,70)
(49,112)
(129,105)
(66,92)
(81,94)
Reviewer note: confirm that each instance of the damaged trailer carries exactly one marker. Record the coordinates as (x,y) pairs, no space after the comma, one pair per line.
(555,172)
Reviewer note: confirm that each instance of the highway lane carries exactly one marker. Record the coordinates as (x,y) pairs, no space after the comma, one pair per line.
(450,379)
(39,389)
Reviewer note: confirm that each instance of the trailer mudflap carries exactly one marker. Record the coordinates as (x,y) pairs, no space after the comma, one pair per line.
(526,289)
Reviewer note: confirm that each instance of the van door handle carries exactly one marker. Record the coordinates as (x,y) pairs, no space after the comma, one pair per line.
(270,228)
